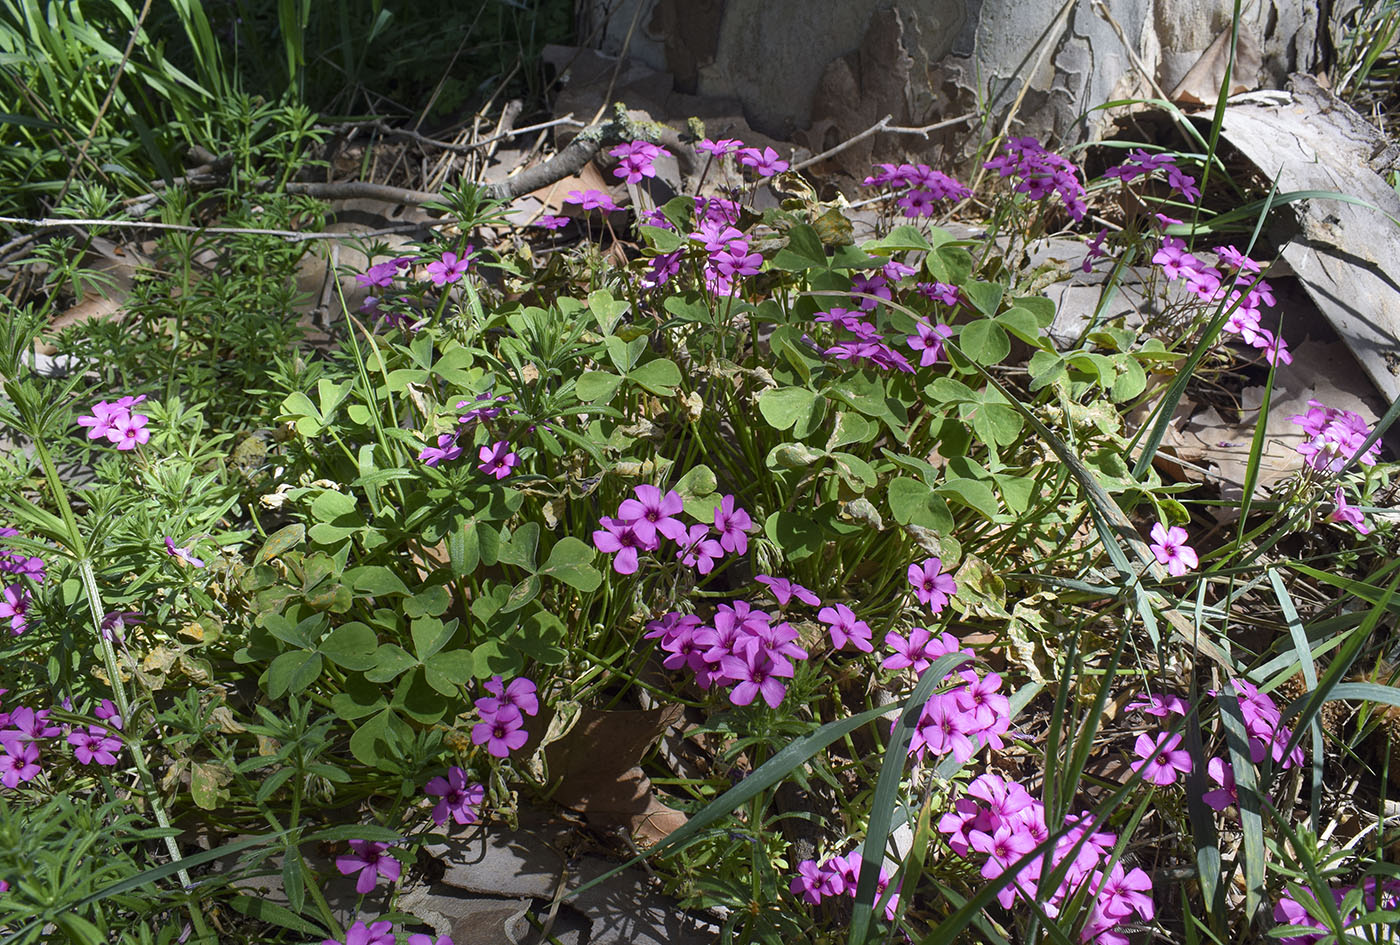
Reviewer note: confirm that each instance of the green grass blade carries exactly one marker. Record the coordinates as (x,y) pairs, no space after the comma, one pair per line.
(1250,801)
(1304,653)
(877,831)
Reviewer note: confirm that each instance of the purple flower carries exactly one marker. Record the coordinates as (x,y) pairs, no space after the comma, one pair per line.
(733,525)
(651,512)
(808,882)
(918,203)
(875,285)
(943,292)
(1121,894)
(96,744)
(456,798)
(1169,548)
(380,275)
(551,222)
(14,606)
(1040,173)
(635,160)
(445,451)
(521,694)
(1159,706)
(497,459)
(108,713)
(663,269)
(486,412)
(379,933)
(1333,437)
(1347,513)
(182,554)
(502,732)
(622,539)
(699,550)
(114,624)
(1094,250)
(759,674)
(1223,774)
(449,268)
(420,938)
(845,628)
(932,587)
(370,859)
(720,147)
(1229,256)
(735,261)
(784,590)
(929,342)
(102,420)
(908,653)
(591,200)
(1160,759)
(765,162)
(18,764)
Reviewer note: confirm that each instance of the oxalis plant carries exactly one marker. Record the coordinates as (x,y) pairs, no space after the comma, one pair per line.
(900,558)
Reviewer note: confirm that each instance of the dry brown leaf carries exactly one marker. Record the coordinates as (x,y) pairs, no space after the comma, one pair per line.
(1201,84)
(597,766)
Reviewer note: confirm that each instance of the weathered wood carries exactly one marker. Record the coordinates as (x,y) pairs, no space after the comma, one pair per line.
(1346,256)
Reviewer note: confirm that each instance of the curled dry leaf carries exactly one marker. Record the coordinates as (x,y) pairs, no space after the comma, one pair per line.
(596,764)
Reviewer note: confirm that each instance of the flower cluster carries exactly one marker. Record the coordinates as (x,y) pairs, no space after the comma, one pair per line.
(957,720)
(494,459)
(644,520)
(1140,163)
(1333,437)
(21,731)
(1040,173)
(999,821)
(1229,283)
(456,798)
(742,649)
(116,422)
(502,714)
(868,344)
(838,875)
(1375,897)
(17,562)
(635,160)
(381,933)
(922,186)
(16,598)
(1263,723)
(728,255)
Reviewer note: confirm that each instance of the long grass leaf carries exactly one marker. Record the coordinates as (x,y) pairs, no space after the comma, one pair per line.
(1304,653)
(877,831)
(1250,803)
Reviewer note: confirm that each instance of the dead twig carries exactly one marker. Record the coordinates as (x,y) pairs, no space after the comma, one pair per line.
(291,236)
(390,131)
(882,126)
(360,189)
